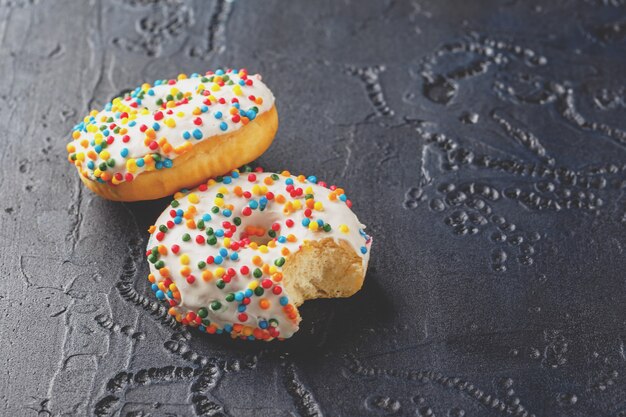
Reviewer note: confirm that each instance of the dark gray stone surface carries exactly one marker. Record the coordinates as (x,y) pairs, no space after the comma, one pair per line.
(483,143)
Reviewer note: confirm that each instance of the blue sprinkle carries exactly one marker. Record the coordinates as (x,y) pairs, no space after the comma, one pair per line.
(223,252)
(242,82)
(156,126)
(133,123)
(263,324)
(197,134)
(154,287)
(283,301)
(227,180)
(178,220)
(226,213)
(105,132)
(236,105)
(253,204)
(219,72)
(251,337)
(140,162)
(289,181)
(239,296)
(168,163)
(90,165)
(124,152)
(223,126)
(158,165)
(218,114)
(320,222)
(235,174)
(160,295)
(170,294)
(241,308)
(305,222)
(228,328)
(219,233)
(234,256)
(219,331)
(204,109)
(206,217)
(251,114)
(312,179)
(186,135)
(202,328)
(249,293)
(263,201)
(180,212)
(282,239)
(363,250)
(218,260)
(150,92)
(97,148)
(343,197)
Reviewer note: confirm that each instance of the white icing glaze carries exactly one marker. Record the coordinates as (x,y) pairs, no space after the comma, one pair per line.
(201,293)
(182,118)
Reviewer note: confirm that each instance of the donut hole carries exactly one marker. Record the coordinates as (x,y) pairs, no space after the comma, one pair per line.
(257,234)
(258,226)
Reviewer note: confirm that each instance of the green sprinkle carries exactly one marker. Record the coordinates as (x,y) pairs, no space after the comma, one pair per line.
(186,237)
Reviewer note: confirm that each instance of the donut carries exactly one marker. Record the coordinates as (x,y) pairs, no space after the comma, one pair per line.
(174,134)
(240,253)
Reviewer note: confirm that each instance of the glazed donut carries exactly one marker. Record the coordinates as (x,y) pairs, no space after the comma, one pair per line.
(176,134)
(240,253)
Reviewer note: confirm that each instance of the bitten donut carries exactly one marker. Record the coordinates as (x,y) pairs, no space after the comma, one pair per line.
(240,253)
(174,134)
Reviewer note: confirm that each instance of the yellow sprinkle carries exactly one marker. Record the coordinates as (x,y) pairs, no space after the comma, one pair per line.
(184,259)
(313,226)
(219,272)
(131,165)
(105,154)
(170,122)
(308,190)
(219,201)
(273,269)
(226,242)
(215,87)
(318,206)
(180,114)
(297,204)
(263,249)
(237,90)
(222,190)
(253,285)
(193,198)
(343,228)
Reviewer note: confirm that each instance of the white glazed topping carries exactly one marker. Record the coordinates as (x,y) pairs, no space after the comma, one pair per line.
(151,126)
(217,253)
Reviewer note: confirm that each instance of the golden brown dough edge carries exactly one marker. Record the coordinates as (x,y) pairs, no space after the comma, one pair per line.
(323,269)
(209,158)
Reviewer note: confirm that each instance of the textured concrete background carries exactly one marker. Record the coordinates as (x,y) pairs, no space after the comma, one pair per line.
(483,143)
